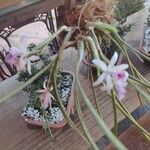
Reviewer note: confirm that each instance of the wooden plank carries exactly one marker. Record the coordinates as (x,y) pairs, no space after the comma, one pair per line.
(8,3)
(23,4)
(132,138)
(26,10)
(69,4)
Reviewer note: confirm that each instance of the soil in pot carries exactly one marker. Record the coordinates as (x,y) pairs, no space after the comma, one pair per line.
(54,115)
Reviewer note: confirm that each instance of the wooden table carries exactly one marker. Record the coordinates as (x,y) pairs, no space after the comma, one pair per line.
(15,135)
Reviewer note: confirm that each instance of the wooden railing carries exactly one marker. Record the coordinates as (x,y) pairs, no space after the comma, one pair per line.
(14,17)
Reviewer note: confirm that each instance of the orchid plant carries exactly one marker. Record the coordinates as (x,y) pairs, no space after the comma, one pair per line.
(111,77)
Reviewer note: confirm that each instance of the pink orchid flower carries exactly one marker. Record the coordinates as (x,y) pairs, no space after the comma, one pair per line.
(16,58)
(45,98)
(13,57)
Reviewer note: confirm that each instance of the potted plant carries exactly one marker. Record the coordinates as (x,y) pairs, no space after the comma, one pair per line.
(42,107)
(112,78)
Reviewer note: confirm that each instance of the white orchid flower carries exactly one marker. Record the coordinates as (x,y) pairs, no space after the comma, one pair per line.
(112,75)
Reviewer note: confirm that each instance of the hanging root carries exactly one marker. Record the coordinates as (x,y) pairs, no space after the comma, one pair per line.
(92,10)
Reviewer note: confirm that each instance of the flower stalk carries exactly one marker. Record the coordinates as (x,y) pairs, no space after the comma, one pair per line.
(98,119)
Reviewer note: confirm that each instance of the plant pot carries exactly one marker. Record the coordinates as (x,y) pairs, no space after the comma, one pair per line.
(86,62)
(142,42)
(8,3)
(69,109)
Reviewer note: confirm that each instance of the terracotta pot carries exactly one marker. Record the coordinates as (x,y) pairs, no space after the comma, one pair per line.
(142,42)
(69,110)
(86,62)
(8,3)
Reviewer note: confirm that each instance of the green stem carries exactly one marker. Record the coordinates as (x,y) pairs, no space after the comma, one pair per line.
(131,48)
(46,124)
(93,48)
(139,81)
(138,89)
(98,46)
(93,89)
(39,47)
(104,26)
(98,119)
(50,133)
(115,112)
(32,79)
(54,81)
(83,125)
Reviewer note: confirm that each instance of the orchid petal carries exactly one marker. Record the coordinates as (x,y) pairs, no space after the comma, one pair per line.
(100,64)
(120,89)
(47,100)
(113,60)
(121,76)
(109,82)
(44,104)
(126,76)
(119,68)
(52,96)
(100,79)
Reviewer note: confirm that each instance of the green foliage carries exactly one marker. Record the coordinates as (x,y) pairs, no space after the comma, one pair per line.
(128,7)
(123,28)
(37,84)
(31,47)
(34,101)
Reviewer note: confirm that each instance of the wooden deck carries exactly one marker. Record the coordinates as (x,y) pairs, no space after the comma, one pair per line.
(15,135)
(26,10)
